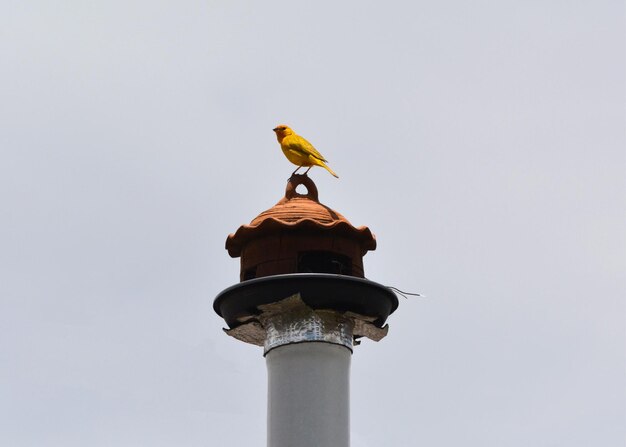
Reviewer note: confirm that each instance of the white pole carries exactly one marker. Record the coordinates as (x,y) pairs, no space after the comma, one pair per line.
(308,395)
(308,368)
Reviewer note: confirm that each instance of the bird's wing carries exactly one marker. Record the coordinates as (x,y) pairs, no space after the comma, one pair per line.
(299,144)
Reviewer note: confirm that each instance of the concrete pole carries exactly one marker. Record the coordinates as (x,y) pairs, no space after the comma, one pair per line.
(308,395)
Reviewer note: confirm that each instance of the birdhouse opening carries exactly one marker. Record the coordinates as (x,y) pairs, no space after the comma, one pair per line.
(324,262)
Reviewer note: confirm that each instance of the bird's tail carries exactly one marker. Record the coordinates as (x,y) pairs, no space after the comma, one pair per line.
(329,170)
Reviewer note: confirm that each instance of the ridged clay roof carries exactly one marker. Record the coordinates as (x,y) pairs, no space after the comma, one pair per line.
(301,212)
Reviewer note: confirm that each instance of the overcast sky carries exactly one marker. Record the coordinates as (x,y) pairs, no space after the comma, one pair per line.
(482,142)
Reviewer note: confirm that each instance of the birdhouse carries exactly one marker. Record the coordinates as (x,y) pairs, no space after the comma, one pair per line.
(300,235)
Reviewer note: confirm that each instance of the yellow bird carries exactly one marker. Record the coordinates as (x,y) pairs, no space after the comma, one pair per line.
(299,151)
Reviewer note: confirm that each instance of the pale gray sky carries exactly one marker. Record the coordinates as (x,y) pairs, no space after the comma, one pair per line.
(482,142)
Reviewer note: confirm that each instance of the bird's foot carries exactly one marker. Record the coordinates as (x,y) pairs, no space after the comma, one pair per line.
(296,177)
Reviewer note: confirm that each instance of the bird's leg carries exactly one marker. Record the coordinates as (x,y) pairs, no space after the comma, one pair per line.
(294,173)
(305,172)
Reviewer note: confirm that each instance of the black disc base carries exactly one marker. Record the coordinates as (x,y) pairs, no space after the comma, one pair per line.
(318,290)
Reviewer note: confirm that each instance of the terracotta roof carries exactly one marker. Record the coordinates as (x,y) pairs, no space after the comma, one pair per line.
(298,211)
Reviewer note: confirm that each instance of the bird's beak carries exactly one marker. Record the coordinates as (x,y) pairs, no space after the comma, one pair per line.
(275,129)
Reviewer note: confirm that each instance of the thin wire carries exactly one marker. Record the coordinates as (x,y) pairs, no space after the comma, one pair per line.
(404,294)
